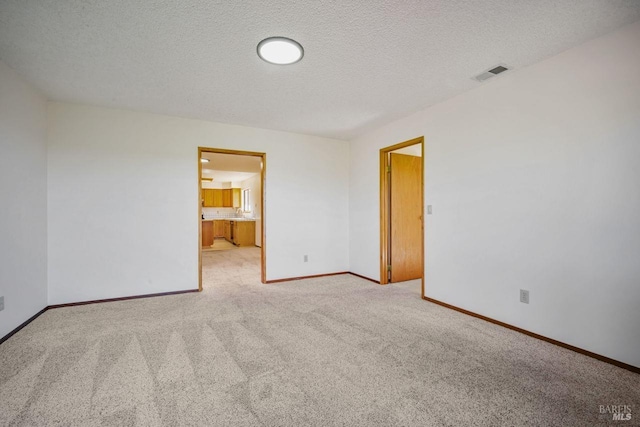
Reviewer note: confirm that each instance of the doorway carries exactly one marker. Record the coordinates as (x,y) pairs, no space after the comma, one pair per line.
(402,212)
(228,197)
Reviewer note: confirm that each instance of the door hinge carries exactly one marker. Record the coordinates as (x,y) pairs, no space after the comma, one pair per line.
(389,267)
(388,168)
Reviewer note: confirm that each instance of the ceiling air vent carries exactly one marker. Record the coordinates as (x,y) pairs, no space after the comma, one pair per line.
(491,72)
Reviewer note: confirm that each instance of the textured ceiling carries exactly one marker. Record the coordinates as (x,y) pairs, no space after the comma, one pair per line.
(232,162)
(226,176)
(230,167)
(366,62)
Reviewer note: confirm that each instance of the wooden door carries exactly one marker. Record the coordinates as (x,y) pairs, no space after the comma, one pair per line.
(405,217)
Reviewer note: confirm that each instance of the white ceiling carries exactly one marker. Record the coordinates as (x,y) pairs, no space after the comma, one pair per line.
(230,167)
(232,162)
(366,62)
(225,176)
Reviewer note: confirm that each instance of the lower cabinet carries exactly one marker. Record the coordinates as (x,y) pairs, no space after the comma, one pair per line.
(244,233)
(227,230)
(240,233)
(218,228)
(207,233)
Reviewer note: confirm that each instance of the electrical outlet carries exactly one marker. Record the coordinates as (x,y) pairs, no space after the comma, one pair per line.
(1,303)
(524,296)
(306,258)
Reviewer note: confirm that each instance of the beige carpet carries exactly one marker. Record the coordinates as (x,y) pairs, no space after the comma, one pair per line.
(220,245)
(336,351)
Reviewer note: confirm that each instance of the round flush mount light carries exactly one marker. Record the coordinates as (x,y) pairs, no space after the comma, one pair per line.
(280,51)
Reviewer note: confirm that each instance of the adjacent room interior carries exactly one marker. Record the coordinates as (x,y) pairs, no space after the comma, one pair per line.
(401,214)
(147,279)
(231,212)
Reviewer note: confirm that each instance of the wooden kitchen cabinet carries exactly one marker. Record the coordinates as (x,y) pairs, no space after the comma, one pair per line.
(207,233)
(244,233)
(218,228)
(231,197)
(236,197)
(227,231)
(212,198)
(221,198)
(217,198)
(207,197)
(227,198)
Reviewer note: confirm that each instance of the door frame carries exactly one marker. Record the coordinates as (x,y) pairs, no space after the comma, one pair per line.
(385,208)
(263,174)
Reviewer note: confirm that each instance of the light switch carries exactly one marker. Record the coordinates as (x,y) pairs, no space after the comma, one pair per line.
(428,209)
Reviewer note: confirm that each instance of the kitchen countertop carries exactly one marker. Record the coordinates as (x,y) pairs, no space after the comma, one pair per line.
(230,219)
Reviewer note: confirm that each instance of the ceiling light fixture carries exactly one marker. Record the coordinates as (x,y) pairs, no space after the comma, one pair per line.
(280,50)
(204,160)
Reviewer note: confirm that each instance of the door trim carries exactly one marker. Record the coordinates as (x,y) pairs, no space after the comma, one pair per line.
(263,174)
(384,205)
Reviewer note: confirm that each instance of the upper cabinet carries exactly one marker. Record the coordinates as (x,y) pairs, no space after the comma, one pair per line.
(217,198)
(231,198)
(211,198)
(227,201)
(207,197)
(236,192)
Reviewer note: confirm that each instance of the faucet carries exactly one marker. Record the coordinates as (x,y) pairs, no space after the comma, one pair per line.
(239,211)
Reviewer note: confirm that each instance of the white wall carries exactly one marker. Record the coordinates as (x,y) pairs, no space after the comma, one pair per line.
(23,191)
(412,150)
(534,182)
(123,201)
(253,184)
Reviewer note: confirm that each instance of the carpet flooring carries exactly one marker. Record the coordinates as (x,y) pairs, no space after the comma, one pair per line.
(334,351)
(220,245)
